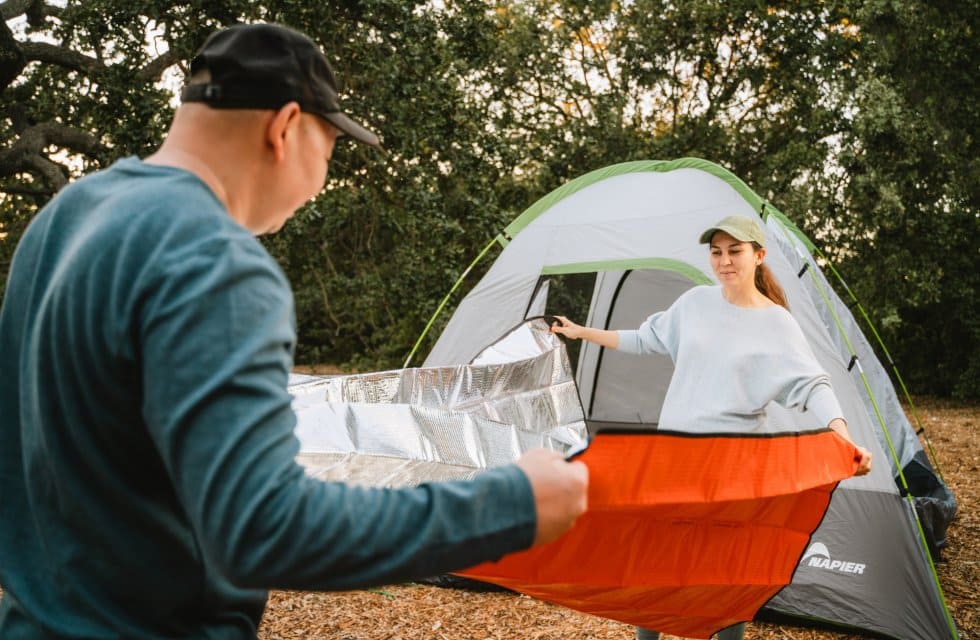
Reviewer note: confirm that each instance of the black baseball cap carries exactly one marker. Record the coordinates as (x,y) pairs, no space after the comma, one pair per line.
(264,66)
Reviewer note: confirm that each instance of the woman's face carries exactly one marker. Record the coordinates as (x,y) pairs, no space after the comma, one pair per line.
(734,261)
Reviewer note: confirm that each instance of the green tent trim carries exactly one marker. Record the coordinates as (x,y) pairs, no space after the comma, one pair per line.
(562,192)
(661,166)
(665,264)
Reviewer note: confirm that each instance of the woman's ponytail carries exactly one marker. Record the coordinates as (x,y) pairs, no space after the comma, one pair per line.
(767,284)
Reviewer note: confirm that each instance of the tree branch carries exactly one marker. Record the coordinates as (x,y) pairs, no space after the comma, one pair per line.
(154,68)
(53,54)
(27,153)
(13,8)
(70,138)
(52,173)
(35,10)
(34,139)
(12,60)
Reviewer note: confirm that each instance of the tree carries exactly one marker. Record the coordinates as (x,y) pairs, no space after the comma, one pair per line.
(911,205)
(855,117)
(80,87)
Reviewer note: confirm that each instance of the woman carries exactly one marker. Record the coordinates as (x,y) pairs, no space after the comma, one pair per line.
(737,340)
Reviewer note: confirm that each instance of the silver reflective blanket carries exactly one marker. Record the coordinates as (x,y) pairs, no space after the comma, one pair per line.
(408,426)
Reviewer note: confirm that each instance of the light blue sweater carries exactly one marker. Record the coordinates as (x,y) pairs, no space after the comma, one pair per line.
(730,362)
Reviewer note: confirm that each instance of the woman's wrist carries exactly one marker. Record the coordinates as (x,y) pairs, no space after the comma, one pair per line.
(840,426)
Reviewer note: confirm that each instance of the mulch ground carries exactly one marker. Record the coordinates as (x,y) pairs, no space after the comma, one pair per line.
(409,611)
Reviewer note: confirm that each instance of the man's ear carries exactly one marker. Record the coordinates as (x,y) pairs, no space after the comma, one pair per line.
(283,123)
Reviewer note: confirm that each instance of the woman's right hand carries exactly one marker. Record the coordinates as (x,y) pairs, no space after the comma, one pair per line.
(567,328)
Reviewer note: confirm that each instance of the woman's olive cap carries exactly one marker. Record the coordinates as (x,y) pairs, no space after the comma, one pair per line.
(739,227)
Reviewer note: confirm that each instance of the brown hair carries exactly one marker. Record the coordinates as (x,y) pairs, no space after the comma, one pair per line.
(767,284)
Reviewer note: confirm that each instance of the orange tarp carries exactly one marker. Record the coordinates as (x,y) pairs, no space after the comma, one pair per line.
(684,534)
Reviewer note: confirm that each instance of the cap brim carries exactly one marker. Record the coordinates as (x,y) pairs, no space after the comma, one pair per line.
(706,236)
(350,128)
(738,234)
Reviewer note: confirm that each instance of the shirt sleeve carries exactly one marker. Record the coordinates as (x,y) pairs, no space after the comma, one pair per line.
(217,336)
(805,386)
(655,335)
(822,403)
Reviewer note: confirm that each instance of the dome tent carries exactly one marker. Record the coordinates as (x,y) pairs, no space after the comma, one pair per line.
(625,238)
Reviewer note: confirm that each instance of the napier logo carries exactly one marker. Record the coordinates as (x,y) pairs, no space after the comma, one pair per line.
(819,556)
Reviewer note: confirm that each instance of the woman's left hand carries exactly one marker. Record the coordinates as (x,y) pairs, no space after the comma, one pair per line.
(864,465)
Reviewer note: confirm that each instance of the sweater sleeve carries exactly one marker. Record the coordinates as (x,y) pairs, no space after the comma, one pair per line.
(659,333)
(822,403)
(655,335)
(805,385)
(217,334)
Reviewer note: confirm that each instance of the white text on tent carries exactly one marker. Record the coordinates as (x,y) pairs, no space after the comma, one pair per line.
(836,565)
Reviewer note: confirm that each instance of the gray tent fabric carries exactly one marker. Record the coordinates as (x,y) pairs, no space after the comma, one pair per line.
(635,226)
(934,502)
(858,572)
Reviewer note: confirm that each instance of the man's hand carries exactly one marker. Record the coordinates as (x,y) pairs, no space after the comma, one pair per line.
(560,491)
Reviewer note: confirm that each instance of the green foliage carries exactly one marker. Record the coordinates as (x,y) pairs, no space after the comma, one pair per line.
(912,204)
(856,117)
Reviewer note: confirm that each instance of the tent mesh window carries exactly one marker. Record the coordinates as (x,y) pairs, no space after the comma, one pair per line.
(568,295)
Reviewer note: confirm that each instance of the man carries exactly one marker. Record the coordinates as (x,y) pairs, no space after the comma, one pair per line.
(148,486)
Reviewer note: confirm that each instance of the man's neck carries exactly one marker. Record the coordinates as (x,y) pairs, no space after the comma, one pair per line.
(170,156)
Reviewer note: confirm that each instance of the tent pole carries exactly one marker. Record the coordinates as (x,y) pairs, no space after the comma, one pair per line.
(499,238)
(891,362)
(867,385)
(787,223)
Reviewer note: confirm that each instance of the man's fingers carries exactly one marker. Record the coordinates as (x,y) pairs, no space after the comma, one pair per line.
(560,491)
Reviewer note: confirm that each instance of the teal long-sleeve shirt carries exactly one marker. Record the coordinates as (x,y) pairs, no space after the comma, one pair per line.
(148,486)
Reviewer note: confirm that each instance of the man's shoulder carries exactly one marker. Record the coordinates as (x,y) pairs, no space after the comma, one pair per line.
(131,192)
(167,196)
(161,208)
(150,221)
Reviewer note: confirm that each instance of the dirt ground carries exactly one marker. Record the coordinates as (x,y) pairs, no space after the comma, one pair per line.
(409,611)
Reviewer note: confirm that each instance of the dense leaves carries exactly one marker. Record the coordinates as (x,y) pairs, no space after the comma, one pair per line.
(855,117)
(913,199)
